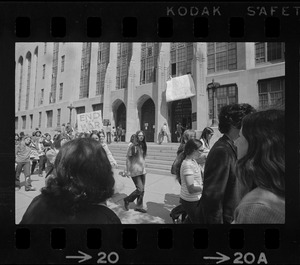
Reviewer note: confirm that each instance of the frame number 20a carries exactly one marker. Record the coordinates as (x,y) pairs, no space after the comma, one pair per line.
(249,258)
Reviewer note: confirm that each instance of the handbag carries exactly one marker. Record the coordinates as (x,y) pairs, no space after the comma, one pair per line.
(175,169)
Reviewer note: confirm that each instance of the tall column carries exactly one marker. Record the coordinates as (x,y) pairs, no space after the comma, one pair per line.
(200,101)
(132,121)
(161,108)
(110,83)
(93,69)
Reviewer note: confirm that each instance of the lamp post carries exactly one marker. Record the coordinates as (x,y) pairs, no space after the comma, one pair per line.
(213,85)
(70,107)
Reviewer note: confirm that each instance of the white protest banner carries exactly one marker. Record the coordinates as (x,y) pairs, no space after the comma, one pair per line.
(180,87)
(89,121)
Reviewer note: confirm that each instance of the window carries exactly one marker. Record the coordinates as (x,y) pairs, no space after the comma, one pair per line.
(28,60)
(181,58)
(271,92)
(97,107)
(62,68)
(58,116)
(54,73)
(61,88)
(40,119)
(31,120)
(49,115)
(44,71)
(42,97)
(23,122)
(102,63)
(221,56)
(16,123)
(224,95)
(123,59)
(45,48)
(80,110)
(85,70)
(20,64)
(269,52)
(149,54)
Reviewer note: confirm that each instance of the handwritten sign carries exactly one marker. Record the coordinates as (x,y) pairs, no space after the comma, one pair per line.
(89,121)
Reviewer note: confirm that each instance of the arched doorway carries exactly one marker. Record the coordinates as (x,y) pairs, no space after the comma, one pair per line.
(181,112)
(120,118)
(148,119)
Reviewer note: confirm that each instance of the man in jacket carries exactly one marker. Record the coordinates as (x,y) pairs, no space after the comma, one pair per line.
(221,189)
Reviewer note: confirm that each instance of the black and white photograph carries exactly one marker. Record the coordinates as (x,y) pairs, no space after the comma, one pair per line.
(150,133)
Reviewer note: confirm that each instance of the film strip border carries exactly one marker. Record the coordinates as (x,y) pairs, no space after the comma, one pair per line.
(139,244)
(144,21)
(147,22)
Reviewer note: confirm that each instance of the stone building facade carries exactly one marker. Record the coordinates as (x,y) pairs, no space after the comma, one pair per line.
(128,81)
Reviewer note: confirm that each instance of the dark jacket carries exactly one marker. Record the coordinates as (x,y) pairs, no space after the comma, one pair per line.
(222,191)
(42,211)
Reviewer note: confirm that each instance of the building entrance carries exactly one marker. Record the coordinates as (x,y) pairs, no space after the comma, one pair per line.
(120,119)
(181,112)
(148,119)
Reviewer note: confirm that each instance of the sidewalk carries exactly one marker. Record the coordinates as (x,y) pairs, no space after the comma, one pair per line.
(161,196)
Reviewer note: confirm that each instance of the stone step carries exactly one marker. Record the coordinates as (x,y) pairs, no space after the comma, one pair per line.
(166,167)
(148,161)
(164,172)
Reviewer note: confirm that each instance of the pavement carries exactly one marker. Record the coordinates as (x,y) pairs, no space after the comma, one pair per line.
(161,196)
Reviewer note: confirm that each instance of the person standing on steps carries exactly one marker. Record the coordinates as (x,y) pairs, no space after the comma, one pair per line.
(163,132)
(135,168)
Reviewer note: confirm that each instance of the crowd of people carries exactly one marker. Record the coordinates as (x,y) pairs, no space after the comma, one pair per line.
(240,179)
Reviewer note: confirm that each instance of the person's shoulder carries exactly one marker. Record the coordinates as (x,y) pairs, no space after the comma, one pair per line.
(102,214)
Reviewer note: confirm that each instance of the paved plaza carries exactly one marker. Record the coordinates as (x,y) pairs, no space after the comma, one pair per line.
(161,196)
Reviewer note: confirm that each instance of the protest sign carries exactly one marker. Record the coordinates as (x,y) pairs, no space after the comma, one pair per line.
(89,121)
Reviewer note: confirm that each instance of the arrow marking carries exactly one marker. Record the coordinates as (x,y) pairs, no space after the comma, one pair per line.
(220,259)
(82,258)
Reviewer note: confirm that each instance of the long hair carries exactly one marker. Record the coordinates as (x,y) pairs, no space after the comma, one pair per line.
(187,135)
(232,115)
(204,135)
(82,176)
(142,143)
(264,163)
(190,146)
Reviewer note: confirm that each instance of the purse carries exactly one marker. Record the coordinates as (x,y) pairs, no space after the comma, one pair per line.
(175,169)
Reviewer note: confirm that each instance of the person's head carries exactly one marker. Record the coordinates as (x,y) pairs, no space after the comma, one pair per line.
(38,133)
(230,117)
(95,136)
(59,141)
(141,139)
(207,133)
(17,137)
(261,150)
(47,136)
(187,135)
(27,139)
(193,149)
(82,176)
(102,137)
(133,139)
(22,134)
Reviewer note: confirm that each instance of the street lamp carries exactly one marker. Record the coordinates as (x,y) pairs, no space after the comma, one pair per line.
(213,85)
(70,108)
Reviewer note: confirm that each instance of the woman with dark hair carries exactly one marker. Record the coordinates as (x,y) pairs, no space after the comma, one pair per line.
(261,164)
(135,168)
(95,135)
(221,190)
(78,188)
(191,179)
(205,137)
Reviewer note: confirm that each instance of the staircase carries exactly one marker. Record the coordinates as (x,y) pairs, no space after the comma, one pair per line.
(159,158)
